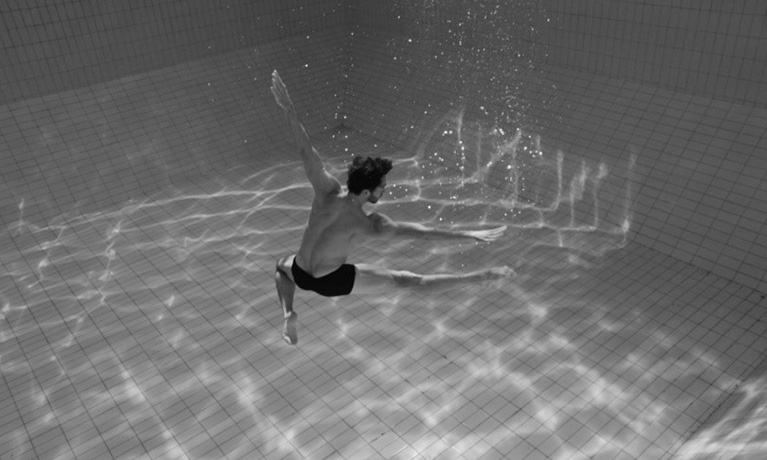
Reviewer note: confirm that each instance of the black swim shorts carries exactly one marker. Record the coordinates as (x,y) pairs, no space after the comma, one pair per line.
(339,282)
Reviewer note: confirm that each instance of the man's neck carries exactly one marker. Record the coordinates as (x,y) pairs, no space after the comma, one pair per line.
(356,200)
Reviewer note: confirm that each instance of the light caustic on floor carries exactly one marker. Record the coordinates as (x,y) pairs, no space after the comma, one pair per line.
(154,328)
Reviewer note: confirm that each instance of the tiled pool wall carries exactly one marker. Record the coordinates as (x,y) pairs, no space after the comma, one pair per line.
(677,84)
(57,45)
(102,102)
(666,93)
(89,148)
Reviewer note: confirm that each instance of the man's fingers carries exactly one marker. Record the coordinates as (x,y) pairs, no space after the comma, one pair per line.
(491,234)
(280,92)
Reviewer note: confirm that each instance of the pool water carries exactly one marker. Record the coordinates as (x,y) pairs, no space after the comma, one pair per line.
(152,329)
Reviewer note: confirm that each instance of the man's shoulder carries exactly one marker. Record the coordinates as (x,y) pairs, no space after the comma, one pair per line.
(375,217)
(379,221)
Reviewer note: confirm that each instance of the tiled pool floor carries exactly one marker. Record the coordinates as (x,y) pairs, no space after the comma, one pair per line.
(153,330)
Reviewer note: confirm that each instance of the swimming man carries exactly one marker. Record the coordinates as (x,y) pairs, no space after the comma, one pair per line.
(337,220)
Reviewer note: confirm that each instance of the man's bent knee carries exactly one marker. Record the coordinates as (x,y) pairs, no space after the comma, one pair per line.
(284,264)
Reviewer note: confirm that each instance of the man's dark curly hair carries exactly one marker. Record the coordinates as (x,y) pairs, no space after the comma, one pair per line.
(366,173)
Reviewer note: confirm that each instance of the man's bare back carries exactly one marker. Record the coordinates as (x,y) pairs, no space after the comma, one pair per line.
(333,225)
(337,221)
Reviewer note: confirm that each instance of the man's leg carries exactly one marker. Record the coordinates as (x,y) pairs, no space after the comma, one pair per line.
(374,279)
(286,289)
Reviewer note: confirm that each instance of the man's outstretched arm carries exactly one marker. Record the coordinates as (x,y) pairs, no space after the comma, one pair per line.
(322,182)
(383,227)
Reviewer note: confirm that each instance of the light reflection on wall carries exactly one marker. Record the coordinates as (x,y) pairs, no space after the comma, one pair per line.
(473,174)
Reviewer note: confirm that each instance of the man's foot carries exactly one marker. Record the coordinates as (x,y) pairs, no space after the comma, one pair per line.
(289,329)
(497,276)
(496,273)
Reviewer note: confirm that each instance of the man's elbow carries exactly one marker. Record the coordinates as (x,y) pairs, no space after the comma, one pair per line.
(408,232)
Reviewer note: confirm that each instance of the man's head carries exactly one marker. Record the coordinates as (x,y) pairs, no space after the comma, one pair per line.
(366,173)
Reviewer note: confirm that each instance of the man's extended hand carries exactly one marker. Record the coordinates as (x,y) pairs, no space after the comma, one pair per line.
(280,93)
(487,235)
